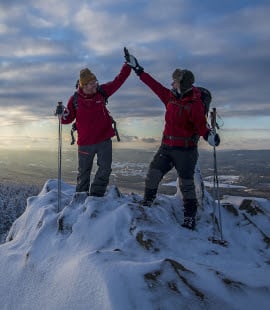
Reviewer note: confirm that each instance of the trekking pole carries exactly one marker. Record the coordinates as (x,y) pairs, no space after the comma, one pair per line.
(59,113)
(216,190)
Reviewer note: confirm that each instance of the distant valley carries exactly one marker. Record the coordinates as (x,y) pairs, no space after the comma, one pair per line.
(252,169)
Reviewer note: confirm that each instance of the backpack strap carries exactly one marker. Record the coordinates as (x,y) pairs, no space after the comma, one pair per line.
(103,93)
(206,98)
(73,129)
(75,100)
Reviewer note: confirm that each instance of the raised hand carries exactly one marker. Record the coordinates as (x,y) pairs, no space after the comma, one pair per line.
(132,62)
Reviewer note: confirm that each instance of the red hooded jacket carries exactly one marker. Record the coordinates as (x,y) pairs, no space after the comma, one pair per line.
(185,120)
(93,121)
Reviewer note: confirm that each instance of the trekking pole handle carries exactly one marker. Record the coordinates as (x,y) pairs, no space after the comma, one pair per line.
(213,119)
(59,109)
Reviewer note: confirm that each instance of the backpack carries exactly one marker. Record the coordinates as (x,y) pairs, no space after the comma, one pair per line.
(206,98)
(75,105)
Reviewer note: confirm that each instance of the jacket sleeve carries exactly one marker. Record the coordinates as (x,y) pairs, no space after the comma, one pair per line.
(69,113)
(162,92)
(111,87)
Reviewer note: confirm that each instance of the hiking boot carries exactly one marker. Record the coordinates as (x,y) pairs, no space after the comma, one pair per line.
(189,222)
(149,197)
(147,203)
(96,194)
(79,197)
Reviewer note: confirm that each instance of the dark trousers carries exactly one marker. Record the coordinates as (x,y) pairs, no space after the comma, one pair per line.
(86,154)
(183,160)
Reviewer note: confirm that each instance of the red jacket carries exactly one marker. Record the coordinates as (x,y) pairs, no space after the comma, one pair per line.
(93,121)
(185,120)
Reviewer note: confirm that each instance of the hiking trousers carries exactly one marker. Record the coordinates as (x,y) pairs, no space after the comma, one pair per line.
(183,160)
(86,154)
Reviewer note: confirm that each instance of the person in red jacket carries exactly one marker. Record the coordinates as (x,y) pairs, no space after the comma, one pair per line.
(94,128)
(185,122)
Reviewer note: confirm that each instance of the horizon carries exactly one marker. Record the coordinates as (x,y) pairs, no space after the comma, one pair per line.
(42,134)
(116,147)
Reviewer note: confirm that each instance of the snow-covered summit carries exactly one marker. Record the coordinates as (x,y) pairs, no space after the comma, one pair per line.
(112,253)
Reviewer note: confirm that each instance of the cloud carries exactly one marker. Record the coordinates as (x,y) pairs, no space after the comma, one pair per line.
(150,140)
(44,44)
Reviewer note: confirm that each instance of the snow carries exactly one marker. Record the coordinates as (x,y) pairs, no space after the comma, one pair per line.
(225,181)
(111,253)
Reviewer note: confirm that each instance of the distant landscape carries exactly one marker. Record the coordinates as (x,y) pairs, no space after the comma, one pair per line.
(252,168)
(130,167)
(23,174)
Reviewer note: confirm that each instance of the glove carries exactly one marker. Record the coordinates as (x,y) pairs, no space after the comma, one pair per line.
(132,62)
(212,138)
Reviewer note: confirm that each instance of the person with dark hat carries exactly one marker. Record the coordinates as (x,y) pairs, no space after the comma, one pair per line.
(94,128)
(185,122)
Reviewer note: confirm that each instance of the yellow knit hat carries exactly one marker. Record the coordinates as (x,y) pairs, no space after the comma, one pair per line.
(86,76)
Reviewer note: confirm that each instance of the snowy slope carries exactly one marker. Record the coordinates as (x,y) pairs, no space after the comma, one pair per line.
(110,253)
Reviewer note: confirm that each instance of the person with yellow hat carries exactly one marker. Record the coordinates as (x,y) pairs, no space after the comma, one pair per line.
(185,122)
(94,129)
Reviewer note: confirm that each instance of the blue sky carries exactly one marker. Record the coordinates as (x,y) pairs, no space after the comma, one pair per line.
(44,44)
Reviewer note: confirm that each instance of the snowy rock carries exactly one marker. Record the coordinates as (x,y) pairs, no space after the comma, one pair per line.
(112,253)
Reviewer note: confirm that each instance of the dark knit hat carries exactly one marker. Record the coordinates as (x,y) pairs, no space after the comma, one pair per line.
(185,77)
(177,75)
(86,76)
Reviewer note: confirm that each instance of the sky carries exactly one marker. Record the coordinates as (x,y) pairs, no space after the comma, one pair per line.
(107,253)
(44,45)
